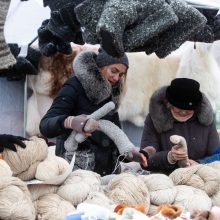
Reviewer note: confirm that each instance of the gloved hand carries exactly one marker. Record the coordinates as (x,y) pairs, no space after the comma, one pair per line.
(9,141)
(176,153)
(148,151)
(81,124)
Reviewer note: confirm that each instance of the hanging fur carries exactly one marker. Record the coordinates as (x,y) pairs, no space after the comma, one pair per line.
(199,64)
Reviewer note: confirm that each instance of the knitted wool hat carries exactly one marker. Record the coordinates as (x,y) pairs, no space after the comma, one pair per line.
(184,93)
(6,58)
(104,59)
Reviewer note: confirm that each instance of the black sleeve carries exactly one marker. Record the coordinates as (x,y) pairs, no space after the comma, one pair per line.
(63,106)
(150,137)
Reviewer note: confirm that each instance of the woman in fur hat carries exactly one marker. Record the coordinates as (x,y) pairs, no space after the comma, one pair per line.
(179,109)
(98,79)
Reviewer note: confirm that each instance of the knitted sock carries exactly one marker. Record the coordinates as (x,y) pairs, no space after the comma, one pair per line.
(6,58)
(191,21)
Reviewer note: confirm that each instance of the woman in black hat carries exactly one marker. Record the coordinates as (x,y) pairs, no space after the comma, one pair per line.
(179,109)
(98,79)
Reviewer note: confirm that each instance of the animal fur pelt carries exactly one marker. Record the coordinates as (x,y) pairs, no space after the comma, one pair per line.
(200,64)
(54,71)
(145,75)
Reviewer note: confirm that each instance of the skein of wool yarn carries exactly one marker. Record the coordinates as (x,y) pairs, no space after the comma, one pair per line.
(5,170)
(129,190)
(38,190)
(15,202)
(24,162)
(189,197)
(53,207)
(78,185)
(200,176)
(161,188)
(51,167)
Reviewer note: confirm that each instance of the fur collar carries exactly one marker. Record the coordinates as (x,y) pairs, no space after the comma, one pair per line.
(162,118)
(96,87)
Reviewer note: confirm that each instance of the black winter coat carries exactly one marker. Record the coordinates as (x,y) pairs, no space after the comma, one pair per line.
(84,93)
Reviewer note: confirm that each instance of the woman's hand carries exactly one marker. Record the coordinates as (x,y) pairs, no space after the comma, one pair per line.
(193,162)
(178,153)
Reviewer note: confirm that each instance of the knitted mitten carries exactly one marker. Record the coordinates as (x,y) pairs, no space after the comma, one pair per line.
(65,26)
(46,45)
(6,58)
(50,44)
(68,15)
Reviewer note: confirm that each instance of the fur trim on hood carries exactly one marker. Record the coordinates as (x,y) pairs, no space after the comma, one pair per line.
(162,118)
(96,87)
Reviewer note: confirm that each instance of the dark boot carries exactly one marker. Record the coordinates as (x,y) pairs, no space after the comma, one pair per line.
(190,22)
(88,14)
(116,16)
(158,17)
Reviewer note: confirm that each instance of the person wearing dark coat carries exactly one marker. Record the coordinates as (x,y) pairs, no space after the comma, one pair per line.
(179,109)
(98,79)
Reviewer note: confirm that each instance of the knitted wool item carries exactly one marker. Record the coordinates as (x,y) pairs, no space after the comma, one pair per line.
(50,44)
(24,65)
(159,16)
(116,15)
(191,21)
(145,19)
(181,141)
(55,5)
(6,58)
(206,34)
(89,37)
(88,14)
(64,25)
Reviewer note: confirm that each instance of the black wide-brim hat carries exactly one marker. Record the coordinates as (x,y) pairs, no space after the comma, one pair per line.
(184,93)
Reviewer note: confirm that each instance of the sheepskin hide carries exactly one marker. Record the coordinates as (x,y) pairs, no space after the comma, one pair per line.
(200,64)
(145,75)
(39,102)
(148,73)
